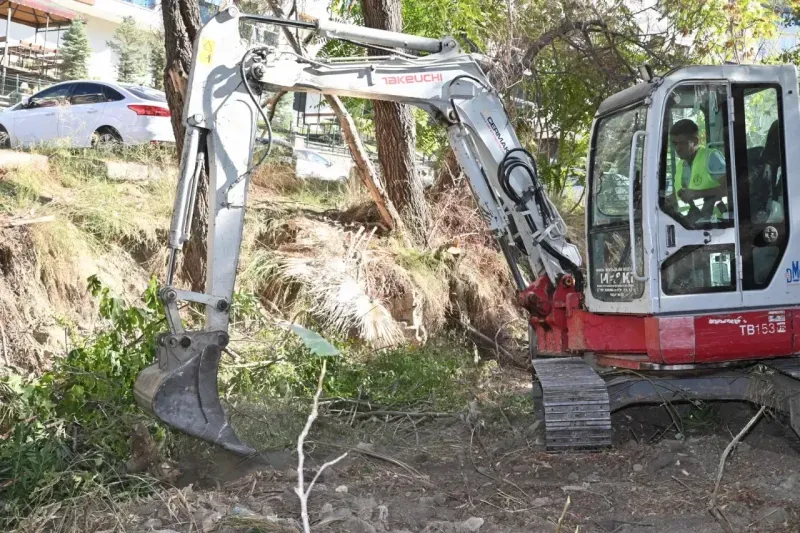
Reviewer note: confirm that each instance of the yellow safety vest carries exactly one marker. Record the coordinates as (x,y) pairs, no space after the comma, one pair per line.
(700,177)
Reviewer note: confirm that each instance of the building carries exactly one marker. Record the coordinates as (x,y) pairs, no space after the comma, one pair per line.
(102,18)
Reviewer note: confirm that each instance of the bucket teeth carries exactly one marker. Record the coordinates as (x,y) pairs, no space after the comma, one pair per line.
(577,413)
(181,388)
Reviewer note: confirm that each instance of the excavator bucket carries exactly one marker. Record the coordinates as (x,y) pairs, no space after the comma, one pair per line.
(181,388)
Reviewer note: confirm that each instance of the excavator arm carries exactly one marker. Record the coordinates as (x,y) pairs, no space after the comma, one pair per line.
(221,116)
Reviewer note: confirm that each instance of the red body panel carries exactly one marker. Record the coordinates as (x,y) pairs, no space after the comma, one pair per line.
(563,326)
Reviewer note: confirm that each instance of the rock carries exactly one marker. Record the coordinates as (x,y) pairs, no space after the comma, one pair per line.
(470,524)
(337,515)
(356,525)
(674,446)
(123,171)
(210,520)
(439,498)
(363,507)
(12,159)
(152,523)
(661,462)
(366,446)
(637,467)
(773,516)
(593,478)
(573,477)
(541,502)
(341,489)
(383,513)
(789,483)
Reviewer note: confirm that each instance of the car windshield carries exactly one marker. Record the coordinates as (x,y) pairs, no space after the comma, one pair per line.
(147,93)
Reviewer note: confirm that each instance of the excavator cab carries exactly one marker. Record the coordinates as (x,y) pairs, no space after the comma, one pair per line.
(687,210)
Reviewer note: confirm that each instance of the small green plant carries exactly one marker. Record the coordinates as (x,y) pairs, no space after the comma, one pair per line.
(66,432)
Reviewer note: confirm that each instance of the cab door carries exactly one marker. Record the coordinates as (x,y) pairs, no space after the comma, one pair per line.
(759,137)
(697,240)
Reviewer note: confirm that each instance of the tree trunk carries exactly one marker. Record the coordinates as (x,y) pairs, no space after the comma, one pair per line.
(447,175)
(388,213)
(396,134)
(181,25)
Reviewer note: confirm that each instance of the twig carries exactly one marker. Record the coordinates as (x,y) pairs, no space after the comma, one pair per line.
(751,524)
(727,451)
(301,493)
(563,515)
(414,472)
(685,485)
(5,350)
(721,519)
(364,414)
(490,342)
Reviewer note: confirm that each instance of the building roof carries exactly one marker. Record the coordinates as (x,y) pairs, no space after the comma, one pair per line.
(37,13)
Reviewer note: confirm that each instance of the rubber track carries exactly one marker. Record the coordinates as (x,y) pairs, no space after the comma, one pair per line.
(577,414)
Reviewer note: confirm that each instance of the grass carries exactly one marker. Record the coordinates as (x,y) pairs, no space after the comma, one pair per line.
(270,399)
(108,212)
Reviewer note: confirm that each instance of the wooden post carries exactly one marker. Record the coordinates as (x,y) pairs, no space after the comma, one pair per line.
(5,52)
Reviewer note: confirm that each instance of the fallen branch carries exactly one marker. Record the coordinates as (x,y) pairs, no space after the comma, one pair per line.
(28,221)
(411,470)
(712,506)
(365,414)
(300,490)
(728,449)
(491,342)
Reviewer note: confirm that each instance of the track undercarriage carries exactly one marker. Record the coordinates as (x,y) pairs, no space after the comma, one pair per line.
(577,398)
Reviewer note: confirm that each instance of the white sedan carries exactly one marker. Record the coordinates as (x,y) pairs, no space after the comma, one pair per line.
(86,113)
(312,164)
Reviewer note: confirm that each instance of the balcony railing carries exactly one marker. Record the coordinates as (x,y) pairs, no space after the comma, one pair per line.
(147,4)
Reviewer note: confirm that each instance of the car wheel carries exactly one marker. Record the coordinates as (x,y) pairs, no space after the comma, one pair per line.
(5,138)
(105,138)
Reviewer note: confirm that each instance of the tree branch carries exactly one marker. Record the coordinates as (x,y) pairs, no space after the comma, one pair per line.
(565,28)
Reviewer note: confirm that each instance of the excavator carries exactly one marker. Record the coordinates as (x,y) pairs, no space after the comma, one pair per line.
(689,292)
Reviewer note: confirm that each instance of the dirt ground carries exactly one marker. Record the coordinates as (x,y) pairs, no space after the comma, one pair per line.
(488,472)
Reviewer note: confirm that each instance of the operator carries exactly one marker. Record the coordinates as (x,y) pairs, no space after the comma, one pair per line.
(705,167)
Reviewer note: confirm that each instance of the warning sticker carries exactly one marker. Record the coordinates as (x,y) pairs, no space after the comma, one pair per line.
(206,50)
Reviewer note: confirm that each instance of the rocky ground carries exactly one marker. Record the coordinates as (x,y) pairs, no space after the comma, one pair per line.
(488,472)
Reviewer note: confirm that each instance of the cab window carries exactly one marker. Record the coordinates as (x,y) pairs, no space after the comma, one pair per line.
(611,277)
(695,171)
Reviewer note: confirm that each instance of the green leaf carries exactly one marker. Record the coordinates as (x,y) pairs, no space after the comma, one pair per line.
(313,340)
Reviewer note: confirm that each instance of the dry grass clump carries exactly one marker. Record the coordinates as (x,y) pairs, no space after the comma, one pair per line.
(354,281)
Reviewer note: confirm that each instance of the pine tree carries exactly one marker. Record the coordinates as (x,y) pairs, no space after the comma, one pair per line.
(130,45)
(158,60)
(75,50)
